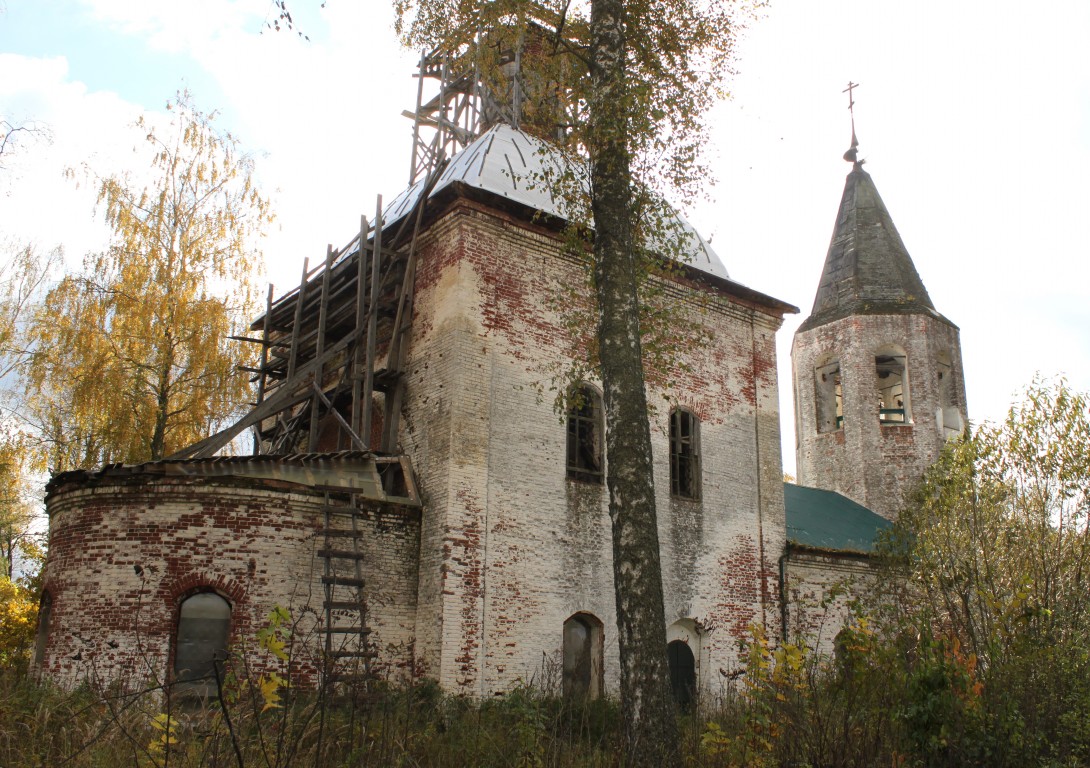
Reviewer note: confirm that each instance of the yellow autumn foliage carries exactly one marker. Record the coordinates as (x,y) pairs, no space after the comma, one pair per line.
(18,621)
(133,359)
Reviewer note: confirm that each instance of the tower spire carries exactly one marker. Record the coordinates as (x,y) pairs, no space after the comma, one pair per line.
(853,151)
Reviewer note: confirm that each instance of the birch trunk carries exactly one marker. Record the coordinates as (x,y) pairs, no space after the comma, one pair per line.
(650,725)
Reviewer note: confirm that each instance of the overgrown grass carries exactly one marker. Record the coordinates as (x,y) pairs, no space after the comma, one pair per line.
(871,705)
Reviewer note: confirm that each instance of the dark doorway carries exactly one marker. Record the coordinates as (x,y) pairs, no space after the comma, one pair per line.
(682,673)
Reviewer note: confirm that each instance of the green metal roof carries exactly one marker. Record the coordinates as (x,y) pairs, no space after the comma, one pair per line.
(826,520)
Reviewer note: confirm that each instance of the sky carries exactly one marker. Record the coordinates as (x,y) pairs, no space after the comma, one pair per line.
(973,118)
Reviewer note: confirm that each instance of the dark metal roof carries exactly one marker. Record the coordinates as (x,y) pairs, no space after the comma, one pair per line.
(359,472)
(868,270)
(825,520)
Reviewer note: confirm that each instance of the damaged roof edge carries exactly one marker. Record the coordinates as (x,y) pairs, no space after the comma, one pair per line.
(358,472)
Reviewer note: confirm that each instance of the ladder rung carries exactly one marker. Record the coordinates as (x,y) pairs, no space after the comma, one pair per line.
(342,554)
(338,532)
(343,605)
(335,510)
(347,581)
(344,630)
(364,679)
(352,654)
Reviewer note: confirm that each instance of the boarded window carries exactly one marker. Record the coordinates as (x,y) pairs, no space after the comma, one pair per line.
(584,460)
(204,620)
(892,389)
(684,454)
(582,656)
(829,397)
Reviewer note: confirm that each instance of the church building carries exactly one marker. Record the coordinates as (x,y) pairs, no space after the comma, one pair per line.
(415,506)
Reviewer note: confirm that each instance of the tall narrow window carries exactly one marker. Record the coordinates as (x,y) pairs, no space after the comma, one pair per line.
(892,391)
(584,435)
(684,454)
(582,656)
(829,397)
(682,673)
(949,417)
(45,609)
(204,620)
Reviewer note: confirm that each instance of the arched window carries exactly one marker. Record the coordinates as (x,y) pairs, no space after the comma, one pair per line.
(892,376)
(204,620)
(584,460)
(582,656)
(684,454)
(682,673)
(45,609)
(829,397)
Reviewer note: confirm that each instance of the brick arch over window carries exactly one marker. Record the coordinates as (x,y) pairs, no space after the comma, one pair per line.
(194,582)
(584,443)
(684,454)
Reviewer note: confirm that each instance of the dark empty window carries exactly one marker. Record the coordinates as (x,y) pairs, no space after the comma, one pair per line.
(584,435)
(45,608)
(582,656)
(682,673)
(684,455)
(204,620)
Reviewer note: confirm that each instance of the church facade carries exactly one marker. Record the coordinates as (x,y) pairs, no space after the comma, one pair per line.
(418,507)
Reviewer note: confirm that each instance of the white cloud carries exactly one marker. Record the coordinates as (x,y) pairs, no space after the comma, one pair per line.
(974,117)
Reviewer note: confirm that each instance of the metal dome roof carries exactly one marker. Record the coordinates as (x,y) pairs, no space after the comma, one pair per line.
(507,162)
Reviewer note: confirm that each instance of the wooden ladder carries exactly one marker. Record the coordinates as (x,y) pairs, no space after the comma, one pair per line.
(347,651)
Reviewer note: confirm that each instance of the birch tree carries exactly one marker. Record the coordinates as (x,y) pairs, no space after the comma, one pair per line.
(132,357)
(636,77)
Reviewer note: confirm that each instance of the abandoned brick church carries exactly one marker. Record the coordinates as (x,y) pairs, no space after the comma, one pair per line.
(422,511)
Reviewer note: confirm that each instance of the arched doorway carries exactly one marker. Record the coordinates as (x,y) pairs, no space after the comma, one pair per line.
(682,673)
(582,652)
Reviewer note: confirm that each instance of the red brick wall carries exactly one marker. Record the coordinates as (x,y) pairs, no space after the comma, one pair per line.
(122,555)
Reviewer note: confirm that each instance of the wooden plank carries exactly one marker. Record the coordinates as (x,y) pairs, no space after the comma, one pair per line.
(361,309)
(319,347)
(343,581)
(340,420)
(372,321)
(294,354)
(341,554)
(284,397)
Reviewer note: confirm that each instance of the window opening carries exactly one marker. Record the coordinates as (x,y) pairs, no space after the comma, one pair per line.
(45,609)
(684,454)
(949,416)
(582,657)
(830,397)
(204,620)
(682,673)
(584,460)
(892,394)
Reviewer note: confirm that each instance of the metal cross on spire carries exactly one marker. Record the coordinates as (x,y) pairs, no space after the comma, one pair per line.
(853,152)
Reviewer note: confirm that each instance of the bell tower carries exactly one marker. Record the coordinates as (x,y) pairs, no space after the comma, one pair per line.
(877,370)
